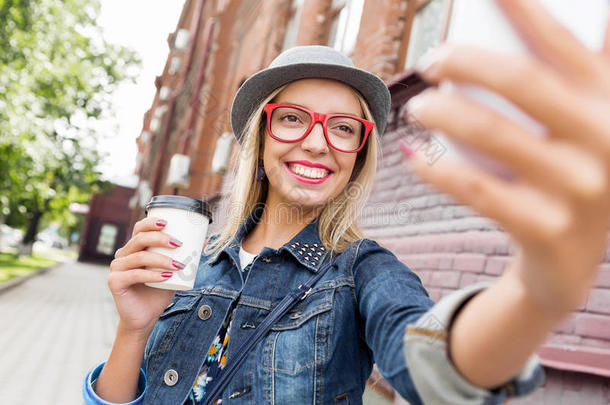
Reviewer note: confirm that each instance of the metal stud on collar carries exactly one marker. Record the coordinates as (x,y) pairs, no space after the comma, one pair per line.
(314,251)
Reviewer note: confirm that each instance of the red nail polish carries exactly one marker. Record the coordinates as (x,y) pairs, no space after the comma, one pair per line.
(161,223)
(166,274)
(408,152)
(177,264)
(175,242)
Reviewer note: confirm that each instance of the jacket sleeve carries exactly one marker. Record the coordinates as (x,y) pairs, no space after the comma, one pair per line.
(406,332)
(91,398)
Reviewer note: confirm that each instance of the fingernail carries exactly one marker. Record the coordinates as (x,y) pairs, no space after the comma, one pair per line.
(408,152)
(166,274)
(161,223)
(175,242)
(177,264)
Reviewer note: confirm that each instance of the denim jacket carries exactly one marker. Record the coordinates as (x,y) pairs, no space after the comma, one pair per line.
(368,308)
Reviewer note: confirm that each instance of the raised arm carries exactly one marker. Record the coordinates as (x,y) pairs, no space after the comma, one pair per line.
(559,208)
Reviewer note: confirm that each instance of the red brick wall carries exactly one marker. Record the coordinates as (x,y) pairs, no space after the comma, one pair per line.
(316,16)
(565,387)
(379,37)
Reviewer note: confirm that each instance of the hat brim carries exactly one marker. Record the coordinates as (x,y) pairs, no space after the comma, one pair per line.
(254,90)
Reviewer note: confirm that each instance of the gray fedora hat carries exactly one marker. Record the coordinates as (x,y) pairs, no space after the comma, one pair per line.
(310,61)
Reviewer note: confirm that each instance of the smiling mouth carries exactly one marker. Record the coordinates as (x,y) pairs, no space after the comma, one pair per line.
(313,173)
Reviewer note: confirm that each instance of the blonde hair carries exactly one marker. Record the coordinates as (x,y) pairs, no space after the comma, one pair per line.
(337,225)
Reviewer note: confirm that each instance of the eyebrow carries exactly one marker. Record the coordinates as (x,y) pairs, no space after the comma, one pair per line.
(298,105)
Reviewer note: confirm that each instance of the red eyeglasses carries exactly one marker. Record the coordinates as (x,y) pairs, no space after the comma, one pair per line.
(291,123)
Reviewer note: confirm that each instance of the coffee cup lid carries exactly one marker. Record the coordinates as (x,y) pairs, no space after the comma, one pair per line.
(180,202)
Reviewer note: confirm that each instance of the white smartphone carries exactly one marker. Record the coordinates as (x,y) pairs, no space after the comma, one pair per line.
(482,23)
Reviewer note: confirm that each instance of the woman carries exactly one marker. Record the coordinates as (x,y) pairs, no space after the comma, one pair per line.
(299,185)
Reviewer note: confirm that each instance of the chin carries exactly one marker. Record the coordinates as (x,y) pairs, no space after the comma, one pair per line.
(309,199)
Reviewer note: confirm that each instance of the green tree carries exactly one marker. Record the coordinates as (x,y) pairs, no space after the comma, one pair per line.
(57,74)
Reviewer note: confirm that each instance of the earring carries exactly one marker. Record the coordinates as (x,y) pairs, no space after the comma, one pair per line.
(260,173)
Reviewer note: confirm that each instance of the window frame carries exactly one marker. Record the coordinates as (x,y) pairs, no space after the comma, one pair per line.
(117,235)
(413,7)
(334,15)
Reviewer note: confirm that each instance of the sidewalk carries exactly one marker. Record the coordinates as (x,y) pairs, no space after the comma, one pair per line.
(55,327)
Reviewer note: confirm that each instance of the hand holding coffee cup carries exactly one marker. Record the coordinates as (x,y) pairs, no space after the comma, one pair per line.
(138,305)
(188,220)
(137,263)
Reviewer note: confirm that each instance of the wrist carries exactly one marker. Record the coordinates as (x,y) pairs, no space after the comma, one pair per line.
(535,297)
(135,335)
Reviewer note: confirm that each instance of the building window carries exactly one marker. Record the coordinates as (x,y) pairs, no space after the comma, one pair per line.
(182,39)
(292,28)
(174,65)
(159,111)
(425,28)
(107,239)
(138,162)
(222,153)
(154,124)
(178,174)
(164,93)
(145,137)
(344,29)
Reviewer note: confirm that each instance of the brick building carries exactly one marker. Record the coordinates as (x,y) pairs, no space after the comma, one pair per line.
(106,225)
(218,44)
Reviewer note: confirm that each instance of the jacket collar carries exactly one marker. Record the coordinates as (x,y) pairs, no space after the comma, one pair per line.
(306,246)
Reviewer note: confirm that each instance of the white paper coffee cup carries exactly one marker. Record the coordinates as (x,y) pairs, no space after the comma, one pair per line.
(482,23)
(187,220)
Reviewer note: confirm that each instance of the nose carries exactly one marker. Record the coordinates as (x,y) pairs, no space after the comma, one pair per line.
(315,141)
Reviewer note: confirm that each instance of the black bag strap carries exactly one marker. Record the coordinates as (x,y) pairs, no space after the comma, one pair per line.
(284,306)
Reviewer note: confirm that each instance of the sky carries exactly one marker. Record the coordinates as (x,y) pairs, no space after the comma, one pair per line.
(142,25)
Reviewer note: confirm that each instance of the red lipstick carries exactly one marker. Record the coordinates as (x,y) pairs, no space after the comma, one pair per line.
(305,179)
(309,164)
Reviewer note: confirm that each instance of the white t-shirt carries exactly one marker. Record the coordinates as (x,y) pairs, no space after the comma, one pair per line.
(245,258)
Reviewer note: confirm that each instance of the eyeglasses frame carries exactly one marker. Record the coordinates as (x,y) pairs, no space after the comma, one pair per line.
(315,118)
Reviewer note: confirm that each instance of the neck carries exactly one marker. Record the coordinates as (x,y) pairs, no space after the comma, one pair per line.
(279,223)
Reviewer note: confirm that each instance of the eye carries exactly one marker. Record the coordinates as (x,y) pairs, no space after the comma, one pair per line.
(290,118)
(346,128)
(342,129)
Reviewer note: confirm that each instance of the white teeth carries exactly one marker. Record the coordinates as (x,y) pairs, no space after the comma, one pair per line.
(311,172)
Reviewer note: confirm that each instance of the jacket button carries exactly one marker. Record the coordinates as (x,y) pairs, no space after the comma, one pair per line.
(171,377)
(204,312)
(266,259)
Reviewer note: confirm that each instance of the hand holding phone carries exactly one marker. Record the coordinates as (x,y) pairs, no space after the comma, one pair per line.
(481,23)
